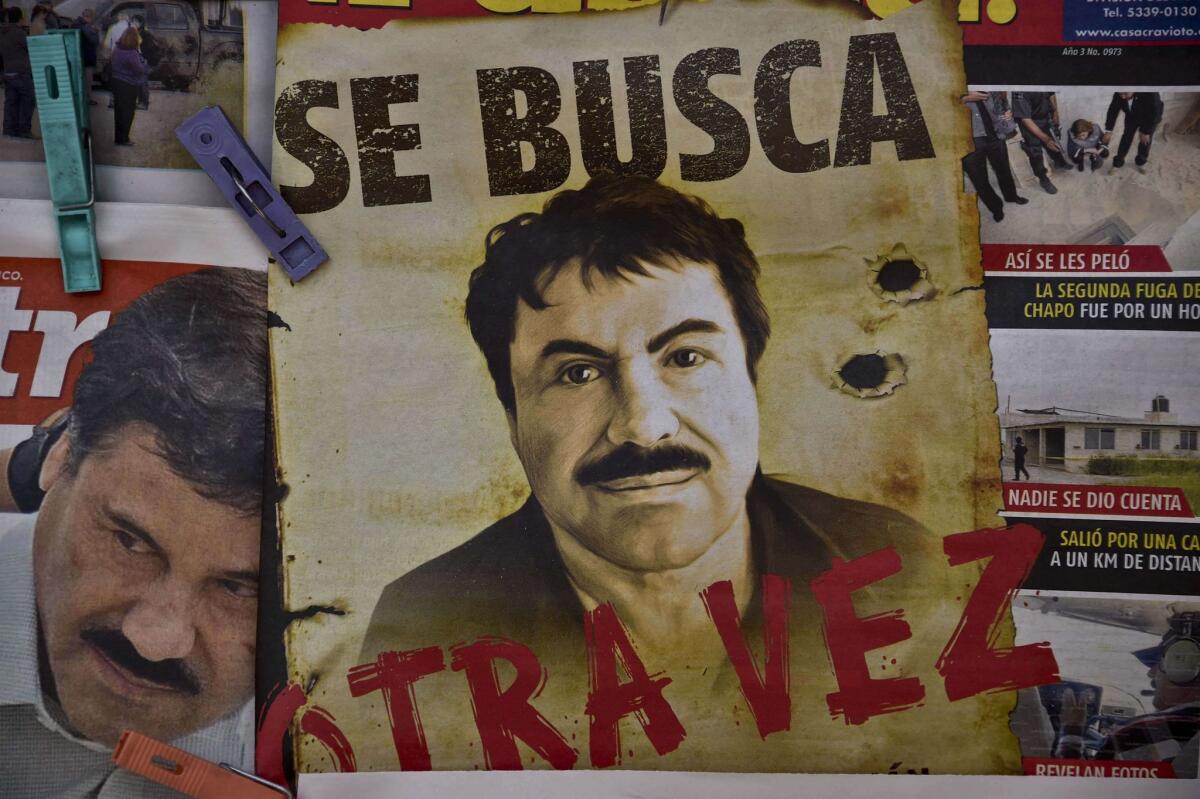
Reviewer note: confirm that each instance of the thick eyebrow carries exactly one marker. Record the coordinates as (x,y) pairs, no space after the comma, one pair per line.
(573,347)
(686,326)
(126,523)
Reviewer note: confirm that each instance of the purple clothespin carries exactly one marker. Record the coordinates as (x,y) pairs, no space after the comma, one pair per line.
(224,155)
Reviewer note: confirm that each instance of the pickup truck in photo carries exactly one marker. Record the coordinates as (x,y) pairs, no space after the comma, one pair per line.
(180,48)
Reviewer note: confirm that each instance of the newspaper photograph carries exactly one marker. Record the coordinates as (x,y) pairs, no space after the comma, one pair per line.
(1128,705)
(148,67)
(1095,167)
(132,424)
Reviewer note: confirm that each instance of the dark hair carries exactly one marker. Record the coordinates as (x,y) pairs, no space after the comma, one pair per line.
(1079,125)
(129,39)
(189,359)
(15,15)
(613,225)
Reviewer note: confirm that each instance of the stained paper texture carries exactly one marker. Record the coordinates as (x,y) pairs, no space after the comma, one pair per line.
(401,147)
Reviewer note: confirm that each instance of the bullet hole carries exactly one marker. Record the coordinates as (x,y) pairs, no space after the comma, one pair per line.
(275,320)
(867,375)
(898,275)
(863,371)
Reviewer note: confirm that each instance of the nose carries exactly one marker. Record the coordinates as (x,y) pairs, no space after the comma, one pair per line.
(644,414)
(161,626)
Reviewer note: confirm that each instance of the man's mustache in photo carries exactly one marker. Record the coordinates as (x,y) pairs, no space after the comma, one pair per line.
(172,673)
(631,460)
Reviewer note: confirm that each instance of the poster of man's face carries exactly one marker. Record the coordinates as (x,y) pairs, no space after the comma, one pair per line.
(635,416)
(610,428)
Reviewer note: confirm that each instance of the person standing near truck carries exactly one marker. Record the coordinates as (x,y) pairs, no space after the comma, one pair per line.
(89,42)
(129,73)
(19,99)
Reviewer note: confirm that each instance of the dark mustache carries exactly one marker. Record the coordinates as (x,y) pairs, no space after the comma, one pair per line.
(630,460)
(173,673)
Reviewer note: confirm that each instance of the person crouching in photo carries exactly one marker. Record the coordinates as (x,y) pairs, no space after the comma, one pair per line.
(1085,142)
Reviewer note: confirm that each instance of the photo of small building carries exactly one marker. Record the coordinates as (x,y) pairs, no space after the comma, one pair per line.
(1075,441)
(1100,407)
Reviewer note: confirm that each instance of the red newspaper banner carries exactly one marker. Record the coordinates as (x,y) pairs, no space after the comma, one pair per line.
(44,331)
(1093,499)
(1074,258)
(1056,767)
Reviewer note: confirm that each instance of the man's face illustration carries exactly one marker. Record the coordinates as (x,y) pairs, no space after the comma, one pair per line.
(636,419)
(146,593)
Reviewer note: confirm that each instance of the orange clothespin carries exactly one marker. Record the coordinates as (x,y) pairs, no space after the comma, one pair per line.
(189,774)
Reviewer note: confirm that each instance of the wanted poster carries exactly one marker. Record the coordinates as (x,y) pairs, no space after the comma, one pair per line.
(643,416)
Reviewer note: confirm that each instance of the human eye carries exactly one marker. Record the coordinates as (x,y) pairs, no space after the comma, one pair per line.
(130,542)
(578,374)
(686,358)
(239,588)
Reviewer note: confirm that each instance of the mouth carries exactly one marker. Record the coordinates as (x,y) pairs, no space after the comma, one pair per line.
(124,682)
(646,482)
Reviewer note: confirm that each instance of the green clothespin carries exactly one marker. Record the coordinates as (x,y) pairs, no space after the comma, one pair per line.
(57,62)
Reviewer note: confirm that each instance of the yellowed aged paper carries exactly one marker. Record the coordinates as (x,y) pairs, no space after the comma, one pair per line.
(395,449)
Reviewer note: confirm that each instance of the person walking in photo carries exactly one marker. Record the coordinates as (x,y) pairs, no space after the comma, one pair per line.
(19,99)
(1019,460)
(129,74)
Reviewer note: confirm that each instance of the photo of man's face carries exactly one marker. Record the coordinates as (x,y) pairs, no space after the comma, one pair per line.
(147,593)
(635,415)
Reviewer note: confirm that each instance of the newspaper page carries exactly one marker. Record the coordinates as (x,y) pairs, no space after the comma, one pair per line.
(132,424)
(183,55)
(550,496)
(1090,231)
